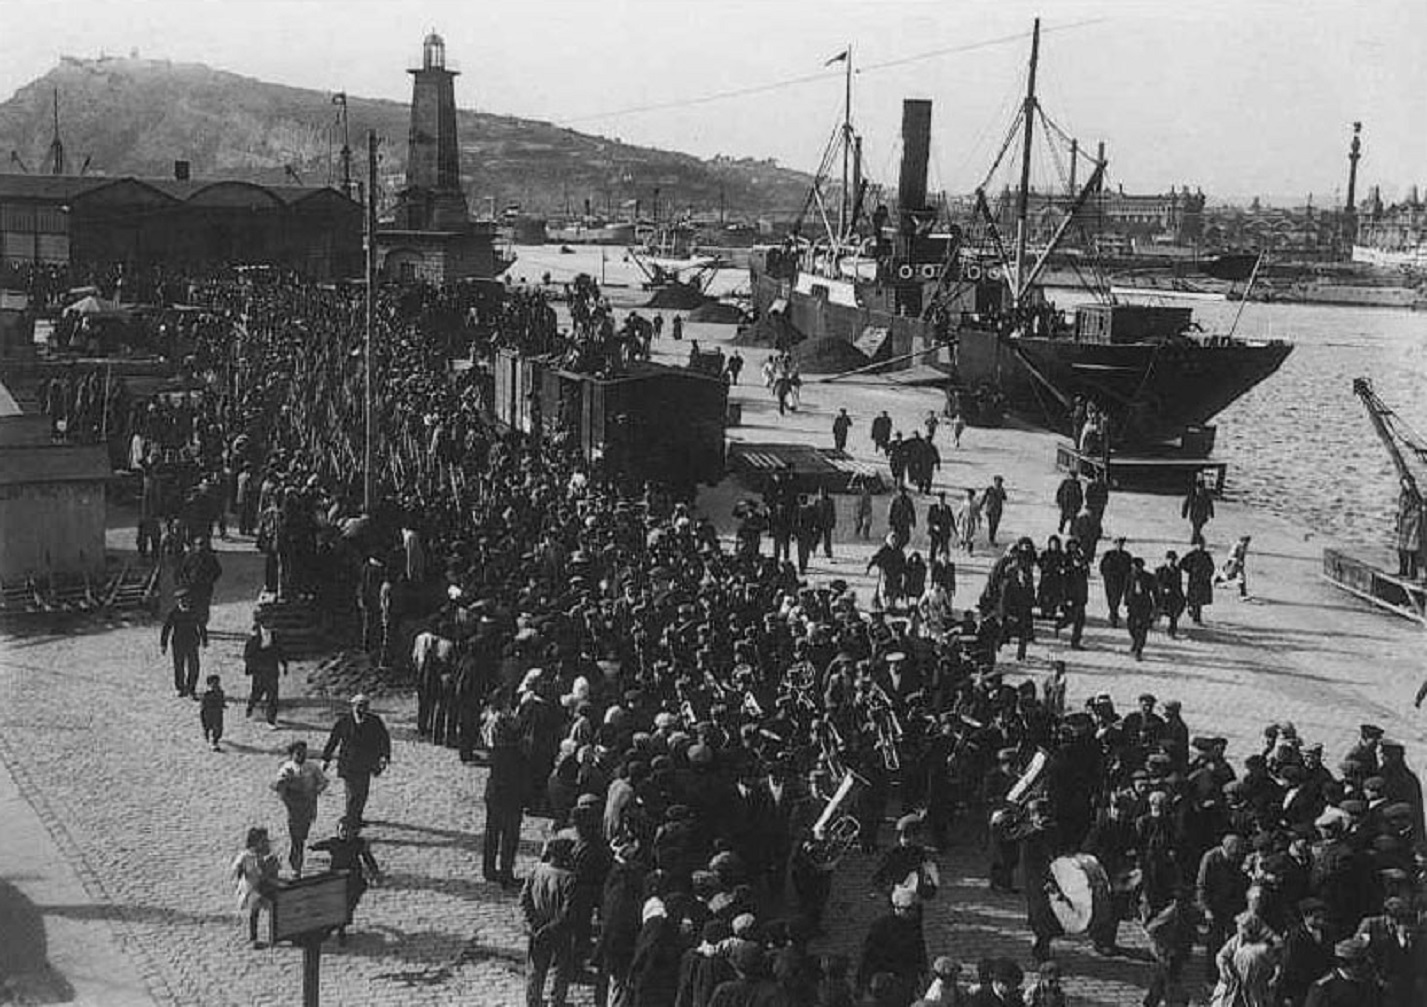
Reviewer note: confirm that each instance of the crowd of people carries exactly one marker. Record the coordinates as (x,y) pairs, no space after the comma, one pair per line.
(710,733)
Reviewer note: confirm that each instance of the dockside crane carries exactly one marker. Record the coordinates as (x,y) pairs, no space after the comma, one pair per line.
(1394,432)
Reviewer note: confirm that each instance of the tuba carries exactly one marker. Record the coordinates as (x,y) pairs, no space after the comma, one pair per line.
(1009,823)
(836,831)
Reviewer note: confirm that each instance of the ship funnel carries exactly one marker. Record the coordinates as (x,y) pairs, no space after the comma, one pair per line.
(916,147)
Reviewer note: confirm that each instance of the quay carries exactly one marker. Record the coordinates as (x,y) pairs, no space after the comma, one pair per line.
(124,790)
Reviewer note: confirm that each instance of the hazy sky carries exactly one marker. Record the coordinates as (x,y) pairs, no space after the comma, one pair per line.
(1236,96)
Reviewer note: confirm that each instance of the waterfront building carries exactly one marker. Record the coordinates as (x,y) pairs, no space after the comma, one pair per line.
(179,222)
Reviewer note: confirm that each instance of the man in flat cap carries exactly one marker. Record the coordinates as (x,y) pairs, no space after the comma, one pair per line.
(1351,983)
(1307,952)
(1366,750)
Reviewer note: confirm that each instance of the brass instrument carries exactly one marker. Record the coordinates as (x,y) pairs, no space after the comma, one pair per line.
(1010,821)
(831,744)
(834,834)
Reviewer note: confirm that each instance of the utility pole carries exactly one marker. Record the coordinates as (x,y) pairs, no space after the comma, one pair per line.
(371,243)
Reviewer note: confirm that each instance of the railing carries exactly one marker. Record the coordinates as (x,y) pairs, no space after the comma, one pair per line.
(1395,594)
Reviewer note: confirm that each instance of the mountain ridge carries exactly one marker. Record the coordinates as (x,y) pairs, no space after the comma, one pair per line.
(137,116)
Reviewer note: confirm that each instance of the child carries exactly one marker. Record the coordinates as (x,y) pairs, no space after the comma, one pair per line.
(210,712)
(350,852)
(1046,991)
(255,871)
(299,783)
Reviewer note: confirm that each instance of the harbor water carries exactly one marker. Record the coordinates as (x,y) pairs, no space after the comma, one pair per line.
(1299,445)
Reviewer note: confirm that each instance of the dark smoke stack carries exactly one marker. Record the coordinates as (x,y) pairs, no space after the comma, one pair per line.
(180,171)
(916,147)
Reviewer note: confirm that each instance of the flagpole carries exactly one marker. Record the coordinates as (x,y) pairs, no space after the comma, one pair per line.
(371,221)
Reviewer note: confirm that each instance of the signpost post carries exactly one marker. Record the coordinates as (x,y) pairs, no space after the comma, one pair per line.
(305,911)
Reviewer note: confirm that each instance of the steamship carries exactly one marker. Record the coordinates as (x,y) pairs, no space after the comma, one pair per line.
(978,310)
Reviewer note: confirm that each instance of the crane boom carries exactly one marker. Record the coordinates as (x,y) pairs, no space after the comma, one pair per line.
(1378,412)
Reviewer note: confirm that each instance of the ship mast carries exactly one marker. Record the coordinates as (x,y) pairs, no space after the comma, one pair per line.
(1028,112)
(843,208)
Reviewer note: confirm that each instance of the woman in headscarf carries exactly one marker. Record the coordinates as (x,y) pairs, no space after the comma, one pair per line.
(1248,966)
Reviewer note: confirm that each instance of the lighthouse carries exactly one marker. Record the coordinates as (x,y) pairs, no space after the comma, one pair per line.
(431,237)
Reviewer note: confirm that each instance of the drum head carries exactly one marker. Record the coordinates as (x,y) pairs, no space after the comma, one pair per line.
(1084,892)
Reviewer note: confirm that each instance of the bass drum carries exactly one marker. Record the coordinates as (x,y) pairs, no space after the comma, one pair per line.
(1082,898)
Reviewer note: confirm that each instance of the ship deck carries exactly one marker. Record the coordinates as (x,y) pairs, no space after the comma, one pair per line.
(1154,473)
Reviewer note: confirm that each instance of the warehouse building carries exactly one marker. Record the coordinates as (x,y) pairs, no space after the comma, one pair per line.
(185,223)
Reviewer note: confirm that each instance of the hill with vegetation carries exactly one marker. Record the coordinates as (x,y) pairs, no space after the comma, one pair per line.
(131,116)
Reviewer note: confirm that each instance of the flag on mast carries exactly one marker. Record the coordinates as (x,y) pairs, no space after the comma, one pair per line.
(839,58)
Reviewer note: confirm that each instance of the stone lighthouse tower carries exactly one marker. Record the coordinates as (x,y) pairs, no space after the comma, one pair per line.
(433,200)
(431,236)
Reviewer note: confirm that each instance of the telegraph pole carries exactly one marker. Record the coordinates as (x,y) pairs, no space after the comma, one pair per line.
(371,243)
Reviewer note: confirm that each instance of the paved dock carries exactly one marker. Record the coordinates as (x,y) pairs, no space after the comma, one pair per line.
(134,821)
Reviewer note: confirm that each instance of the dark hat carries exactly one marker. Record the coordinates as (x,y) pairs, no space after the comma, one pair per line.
(1173,705)
(1148,697)
(1370,731)
(1374,783)
(1006,971)
(1311,905)
(747,958)
(1202,744)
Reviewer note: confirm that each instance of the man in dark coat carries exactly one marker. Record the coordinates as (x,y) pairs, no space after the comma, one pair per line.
(362,746)
(1198,507)
(1169,585)
(1221,890)
(1198,567)
(505,793)
(1097,496)
(1087,529)
(881,431)
(1016,604)
(827,519)
(1069,497)
(185,628)
(1398,950)
(841,424)
(1077,593)
(751,986)
(1351,983)
(703,967)
(1115,572)
(941,525)
(1307,952)
(262,657)
(993,505)
(1039,847)
(895,945)
(620,903)
(1140,602)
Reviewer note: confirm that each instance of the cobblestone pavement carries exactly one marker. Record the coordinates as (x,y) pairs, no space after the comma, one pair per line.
(149,818)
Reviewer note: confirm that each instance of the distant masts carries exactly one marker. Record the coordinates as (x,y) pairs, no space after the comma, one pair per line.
(56,152)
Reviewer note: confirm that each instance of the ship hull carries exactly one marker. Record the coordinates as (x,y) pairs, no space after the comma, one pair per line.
(1155,391)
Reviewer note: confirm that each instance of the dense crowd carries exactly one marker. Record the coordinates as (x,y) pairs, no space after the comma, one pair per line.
(711,734)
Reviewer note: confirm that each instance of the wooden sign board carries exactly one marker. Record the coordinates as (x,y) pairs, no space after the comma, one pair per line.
(307,905)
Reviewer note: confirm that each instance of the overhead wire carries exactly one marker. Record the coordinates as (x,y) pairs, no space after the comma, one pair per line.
(753,89)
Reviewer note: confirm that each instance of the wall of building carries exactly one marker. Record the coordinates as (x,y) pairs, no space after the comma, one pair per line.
(51,526)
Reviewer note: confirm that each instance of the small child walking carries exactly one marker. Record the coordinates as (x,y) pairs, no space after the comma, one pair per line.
(255,871)
(350,853)
(210,712)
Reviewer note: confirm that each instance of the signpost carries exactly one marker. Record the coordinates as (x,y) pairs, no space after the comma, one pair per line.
(305,911)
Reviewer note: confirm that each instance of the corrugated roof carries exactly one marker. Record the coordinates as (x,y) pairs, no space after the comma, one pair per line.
(51,187)
(65,187)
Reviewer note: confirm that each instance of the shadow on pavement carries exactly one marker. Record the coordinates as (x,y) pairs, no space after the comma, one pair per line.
(26,976)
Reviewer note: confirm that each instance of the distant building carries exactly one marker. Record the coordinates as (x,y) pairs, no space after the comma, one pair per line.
(431,236)
(1113,218)
(1393,236)
(67,219)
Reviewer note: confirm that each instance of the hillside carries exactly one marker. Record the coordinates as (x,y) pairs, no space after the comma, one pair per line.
(137,116)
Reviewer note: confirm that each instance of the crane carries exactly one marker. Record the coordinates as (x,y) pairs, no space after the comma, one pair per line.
(1392,430)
